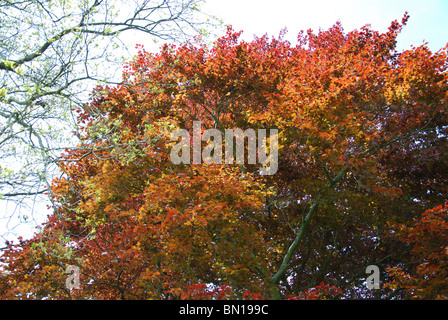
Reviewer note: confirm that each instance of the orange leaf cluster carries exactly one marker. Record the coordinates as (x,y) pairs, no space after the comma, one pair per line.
(362,149)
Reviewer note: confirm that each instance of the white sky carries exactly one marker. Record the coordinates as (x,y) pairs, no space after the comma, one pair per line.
(428,21)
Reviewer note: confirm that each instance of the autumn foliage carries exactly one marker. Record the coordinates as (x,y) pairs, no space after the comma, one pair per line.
(426,277)
(362,154)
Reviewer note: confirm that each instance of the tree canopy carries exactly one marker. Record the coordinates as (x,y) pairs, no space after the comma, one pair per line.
(361,160)
(52,53)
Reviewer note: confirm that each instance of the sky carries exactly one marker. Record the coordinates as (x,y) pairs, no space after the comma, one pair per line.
(428,18)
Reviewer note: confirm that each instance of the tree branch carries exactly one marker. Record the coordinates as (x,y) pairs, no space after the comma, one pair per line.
(16,194)
(301,232)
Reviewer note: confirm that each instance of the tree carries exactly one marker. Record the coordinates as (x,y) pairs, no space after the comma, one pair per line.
(424,276)
(52,53)
(348,107)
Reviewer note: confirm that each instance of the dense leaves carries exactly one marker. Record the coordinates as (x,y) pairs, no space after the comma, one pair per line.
(362,134)
(426,277)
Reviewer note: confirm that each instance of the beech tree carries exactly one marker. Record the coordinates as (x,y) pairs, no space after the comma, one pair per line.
(362,152)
